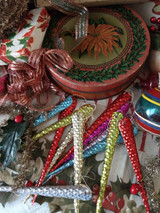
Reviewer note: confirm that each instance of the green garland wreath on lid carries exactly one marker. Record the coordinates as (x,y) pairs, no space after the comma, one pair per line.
(139,46)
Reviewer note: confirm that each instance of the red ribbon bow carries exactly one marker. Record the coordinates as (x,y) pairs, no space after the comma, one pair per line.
(28,81)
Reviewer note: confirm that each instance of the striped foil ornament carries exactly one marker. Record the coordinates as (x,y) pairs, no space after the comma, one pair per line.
(112,138)
(78,122)
(126,130)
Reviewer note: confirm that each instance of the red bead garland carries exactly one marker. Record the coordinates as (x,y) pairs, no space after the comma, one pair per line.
(57,137)
(115,105)
(126,130)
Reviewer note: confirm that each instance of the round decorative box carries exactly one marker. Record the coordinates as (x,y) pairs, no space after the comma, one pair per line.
(147,111)
(109,58)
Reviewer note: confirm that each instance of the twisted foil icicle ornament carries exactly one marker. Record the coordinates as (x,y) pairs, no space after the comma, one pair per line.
(58,108)
(78,122)
(122,99)
(101,129)
(97,145)
(104,125)
(80,192)
(112,137)
(126,130)
(57,137)
(86,109)
(62,147)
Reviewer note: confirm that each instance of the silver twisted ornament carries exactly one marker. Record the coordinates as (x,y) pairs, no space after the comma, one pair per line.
(80,192)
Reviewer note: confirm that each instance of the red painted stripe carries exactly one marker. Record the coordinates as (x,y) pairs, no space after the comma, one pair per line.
(154,92)
(143,142)
(148,128)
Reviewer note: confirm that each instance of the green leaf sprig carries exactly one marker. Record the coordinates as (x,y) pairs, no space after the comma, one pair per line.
(11,141)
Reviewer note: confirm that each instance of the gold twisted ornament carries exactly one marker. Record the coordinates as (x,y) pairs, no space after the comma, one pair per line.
(112,137)
(86,109)
(78,120)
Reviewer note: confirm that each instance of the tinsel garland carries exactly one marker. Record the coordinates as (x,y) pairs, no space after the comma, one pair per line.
(151,171)
(29,116)
(11,14)
(26,157)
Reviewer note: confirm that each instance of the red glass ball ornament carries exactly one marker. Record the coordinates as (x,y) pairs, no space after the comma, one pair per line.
(158,21)
(153,20)
(152,28)
(135,188)
(18,118)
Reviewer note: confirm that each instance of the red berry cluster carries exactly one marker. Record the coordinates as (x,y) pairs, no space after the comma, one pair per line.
(155,21)
(56,181)
(110,200)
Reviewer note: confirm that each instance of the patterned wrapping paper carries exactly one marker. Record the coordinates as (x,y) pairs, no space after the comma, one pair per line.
(17,46)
